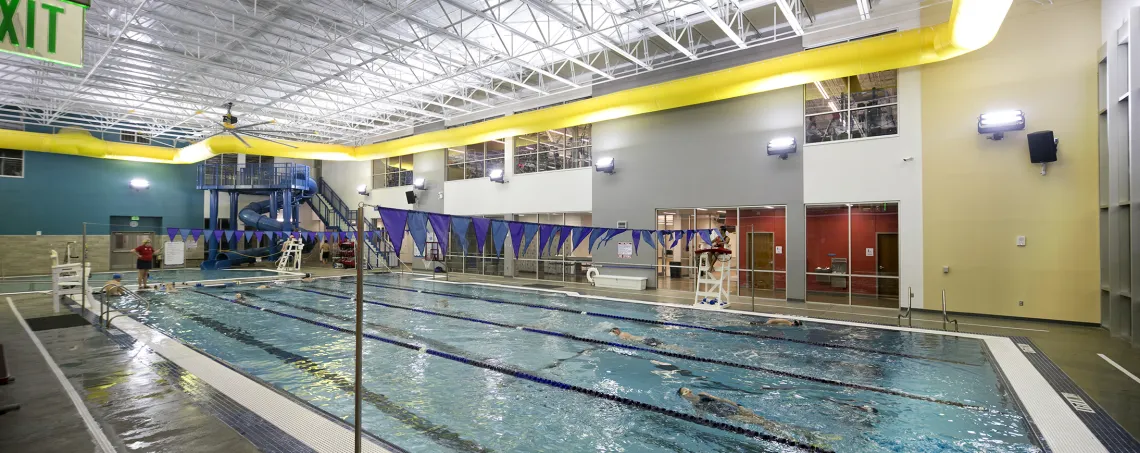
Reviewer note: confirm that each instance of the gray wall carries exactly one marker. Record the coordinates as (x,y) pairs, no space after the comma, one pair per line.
(705,155)
(430,165)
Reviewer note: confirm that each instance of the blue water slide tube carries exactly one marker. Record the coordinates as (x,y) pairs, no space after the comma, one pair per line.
(254,215)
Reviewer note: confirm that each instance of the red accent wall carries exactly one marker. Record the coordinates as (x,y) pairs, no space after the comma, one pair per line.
(827,234)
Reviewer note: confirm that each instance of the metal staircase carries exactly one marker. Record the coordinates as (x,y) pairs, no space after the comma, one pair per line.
(338,215)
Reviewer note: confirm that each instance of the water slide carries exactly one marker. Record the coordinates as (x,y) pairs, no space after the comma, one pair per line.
(253,215)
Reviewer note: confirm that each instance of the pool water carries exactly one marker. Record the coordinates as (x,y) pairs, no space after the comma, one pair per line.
(839,388)
(130,277)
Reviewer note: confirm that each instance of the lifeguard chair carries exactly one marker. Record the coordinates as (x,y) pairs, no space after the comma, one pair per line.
(712,290)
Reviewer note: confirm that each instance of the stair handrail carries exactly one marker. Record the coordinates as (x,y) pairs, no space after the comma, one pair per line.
(346,216)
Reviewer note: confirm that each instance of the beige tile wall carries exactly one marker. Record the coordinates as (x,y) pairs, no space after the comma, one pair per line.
(31,255)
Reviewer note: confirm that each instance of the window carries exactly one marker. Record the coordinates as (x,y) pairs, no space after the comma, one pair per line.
(853,254)
(852,107)
(474,161)
(253,159)
(223,159)
(11,163)
(134,137)
(553,150)
(392,172)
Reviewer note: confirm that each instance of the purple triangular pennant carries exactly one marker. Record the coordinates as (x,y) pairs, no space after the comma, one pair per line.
(218,235)
(171,232)
(636,238)
(195,234)
(395,222)
(441,226)
(257,235)
(544,233)
(563,234)
(248,234)
(481,227)
(516,229)
(185,233)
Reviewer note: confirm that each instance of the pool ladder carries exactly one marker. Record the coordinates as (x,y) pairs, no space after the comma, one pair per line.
(105,310)
(906,314)
(945,316)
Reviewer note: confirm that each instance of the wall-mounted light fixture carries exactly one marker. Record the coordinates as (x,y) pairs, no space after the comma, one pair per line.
(605,165)
(782,147)
(497,175)
(140,184)
(419,184)
(362,189)
(996,124)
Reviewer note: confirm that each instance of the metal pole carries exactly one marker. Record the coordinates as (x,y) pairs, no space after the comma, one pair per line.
(359,320)
(83,273)
(752,265)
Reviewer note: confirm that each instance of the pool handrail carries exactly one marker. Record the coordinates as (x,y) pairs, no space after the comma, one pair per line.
(907,314)
(105,310)
(945,316)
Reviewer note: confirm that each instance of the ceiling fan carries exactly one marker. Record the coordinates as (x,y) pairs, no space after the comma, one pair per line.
(229,126)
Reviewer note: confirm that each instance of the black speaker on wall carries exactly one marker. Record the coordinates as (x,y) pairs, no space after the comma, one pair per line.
(411,194)
(1042,147)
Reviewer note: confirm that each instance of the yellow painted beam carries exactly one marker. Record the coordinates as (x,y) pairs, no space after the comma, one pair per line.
(972,25)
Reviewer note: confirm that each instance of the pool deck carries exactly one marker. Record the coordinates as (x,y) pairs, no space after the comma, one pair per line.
(168,407)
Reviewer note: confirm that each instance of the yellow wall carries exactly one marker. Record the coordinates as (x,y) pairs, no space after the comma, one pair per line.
(979,195)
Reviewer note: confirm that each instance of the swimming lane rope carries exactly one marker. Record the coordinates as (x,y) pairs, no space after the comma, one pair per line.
(673,324)
(678,355)
(548,382)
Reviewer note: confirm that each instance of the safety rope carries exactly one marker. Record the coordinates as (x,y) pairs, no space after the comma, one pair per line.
(774,371)
(540,380)
(674,324)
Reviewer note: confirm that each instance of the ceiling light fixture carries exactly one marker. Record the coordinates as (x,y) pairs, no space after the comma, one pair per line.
(419,184)
(362,189)
(140,184)
(497,175)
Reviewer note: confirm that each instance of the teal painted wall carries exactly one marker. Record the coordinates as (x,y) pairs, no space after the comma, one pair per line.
(59,192)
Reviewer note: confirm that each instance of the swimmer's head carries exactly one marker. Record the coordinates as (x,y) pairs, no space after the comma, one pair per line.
(684,391)
(615,331)
(797,323)
(116,277)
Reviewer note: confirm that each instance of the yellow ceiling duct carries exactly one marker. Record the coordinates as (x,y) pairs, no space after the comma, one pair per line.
(972,25)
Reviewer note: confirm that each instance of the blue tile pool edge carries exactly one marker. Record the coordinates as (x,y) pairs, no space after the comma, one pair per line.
(1106,429)
(250,425)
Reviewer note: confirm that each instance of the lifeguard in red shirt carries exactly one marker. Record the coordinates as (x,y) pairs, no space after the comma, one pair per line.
(145,254)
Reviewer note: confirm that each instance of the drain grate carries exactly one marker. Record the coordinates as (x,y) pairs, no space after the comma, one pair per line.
(57,322)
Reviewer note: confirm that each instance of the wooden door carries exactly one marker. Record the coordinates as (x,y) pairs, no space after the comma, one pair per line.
(888,264)
(762,246)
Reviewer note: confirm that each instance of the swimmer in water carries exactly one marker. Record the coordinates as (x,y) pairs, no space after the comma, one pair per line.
(778,322)
(721,407)
(634,338)
(726,408)
(170,288)
(238,297)
(307,280)
(262,287)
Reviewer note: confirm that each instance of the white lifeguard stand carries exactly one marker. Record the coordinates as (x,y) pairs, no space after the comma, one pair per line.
(291,252)
(712,290)
(67,279)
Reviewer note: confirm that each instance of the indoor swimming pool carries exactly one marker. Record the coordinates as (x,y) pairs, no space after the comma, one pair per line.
(29,283)
(460,368)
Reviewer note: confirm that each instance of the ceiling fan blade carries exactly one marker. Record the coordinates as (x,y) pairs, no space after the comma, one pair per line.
(273,132)
(239,138)
(272,141)
(215,134)
(247,126)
